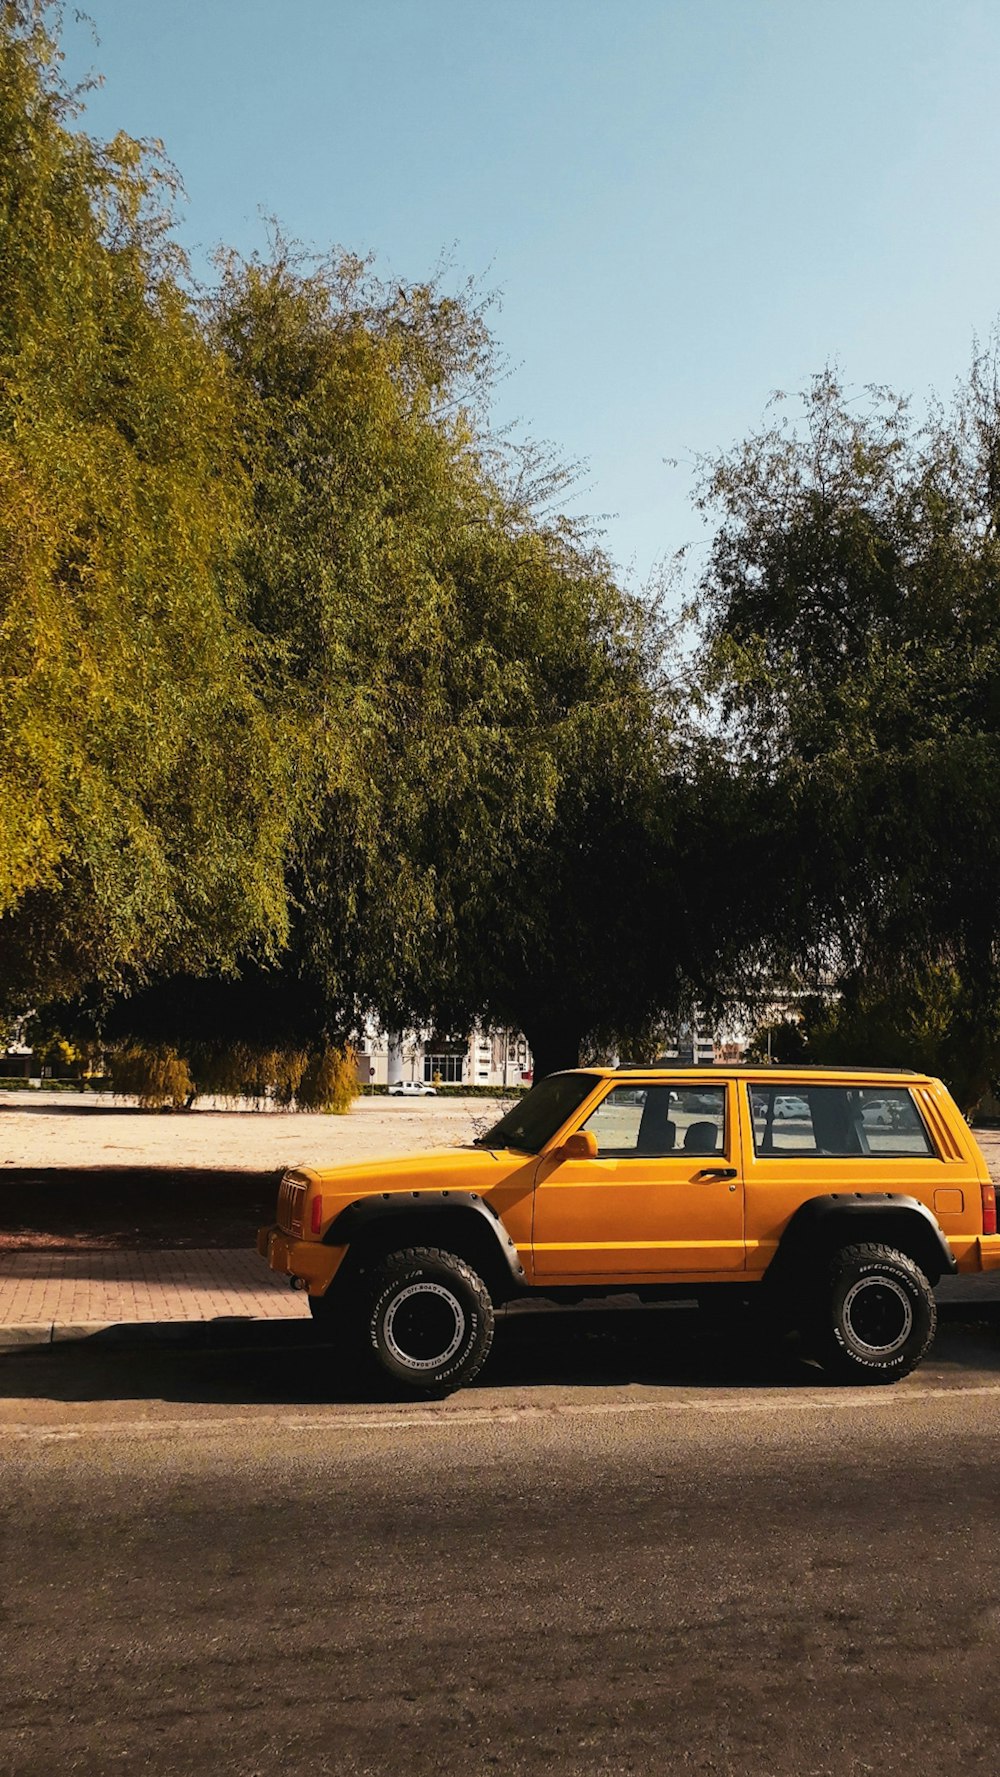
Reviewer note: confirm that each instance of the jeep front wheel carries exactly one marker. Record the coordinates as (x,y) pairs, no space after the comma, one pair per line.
(882,1315)
(430,1319)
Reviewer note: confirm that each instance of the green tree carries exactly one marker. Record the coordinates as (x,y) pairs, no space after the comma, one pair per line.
(852,611)
(485,738)
(143,801)
(928,1018)
(285,626)
(925,1019)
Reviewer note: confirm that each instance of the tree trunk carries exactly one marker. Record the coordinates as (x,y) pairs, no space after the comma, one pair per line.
(554,1044)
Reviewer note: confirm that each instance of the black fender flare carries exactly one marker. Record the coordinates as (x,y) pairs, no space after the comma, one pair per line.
(843,1218)
(384,1206)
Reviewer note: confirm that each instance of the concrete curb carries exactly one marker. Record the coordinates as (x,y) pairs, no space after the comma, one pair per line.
(123,1333)
(27,1333)
(220,1327)
(962,1293)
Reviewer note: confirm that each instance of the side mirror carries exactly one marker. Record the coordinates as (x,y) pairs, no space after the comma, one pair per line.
(581,1145)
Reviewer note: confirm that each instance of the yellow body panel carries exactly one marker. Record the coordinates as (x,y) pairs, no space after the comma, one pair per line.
(310,1260)
(504,1180)
(654,1220)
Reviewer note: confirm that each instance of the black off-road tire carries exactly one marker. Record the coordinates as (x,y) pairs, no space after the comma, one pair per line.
(880,1316)
(429,1320)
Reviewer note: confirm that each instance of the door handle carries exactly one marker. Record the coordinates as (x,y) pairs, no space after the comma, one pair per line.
(710,1172)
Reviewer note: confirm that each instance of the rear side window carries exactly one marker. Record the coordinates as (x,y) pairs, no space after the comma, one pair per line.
(836,1122)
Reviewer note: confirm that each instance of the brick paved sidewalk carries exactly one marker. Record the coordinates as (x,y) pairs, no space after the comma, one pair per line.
(51,1296)
(62,1295)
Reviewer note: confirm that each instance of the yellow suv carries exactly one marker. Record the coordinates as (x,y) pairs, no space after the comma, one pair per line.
(839,1197)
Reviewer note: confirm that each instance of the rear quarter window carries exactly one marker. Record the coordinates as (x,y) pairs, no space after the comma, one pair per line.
(837,1122)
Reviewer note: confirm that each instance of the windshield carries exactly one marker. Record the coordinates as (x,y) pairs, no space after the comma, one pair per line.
(540,1113)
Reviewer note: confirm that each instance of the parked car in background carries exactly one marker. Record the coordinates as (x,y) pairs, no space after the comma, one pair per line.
(879,1113)
(412,1089)
(787,1105)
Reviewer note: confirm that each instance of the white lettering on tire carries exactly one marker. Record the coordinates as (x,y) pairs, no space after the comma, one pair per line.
(423,1287)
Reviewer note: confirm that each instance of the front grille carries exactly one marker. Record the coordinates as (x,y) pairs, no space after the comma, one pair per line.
(292,1203)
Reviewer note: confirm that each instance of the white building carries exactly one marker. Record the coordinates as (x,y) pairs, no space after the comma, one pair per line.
(496,1058)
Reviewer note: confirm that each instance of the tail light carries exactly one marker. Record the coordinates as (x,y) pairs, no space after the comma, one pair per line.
(989,1209)
(316,1216)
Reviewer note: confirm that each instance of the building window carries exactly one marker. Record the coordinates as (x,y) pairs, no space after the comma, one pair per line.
(447,1067)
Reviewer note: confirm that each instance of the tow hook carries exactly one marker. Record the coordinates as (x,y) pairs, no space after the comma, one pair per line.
(299,1283)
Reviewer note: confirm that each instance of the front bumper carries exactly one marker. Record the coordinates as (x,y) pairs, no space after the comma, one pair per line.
(309,1259)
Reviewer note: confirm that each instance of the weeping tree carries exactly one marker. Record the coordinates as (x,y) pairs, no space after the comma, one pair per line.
(259,1033)
(143,790)
(309,690)
(498,809)
(927,1017)
(851,609)
(489,749)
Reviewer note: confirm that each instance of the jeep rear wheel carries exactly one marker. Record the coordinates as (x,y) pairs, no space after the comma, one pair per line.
(430,1319)
(881,1317)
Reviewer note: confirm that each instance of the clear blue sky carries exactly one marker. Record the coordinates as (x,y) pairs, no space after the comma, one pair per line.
(683,204)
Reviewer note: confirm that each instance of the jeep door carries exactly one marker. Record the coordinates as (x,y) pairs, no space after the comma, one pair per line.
(664,1195)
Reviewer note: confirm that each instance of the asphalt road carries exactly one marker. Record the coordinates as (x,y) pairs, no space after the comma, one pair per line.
(634,1548)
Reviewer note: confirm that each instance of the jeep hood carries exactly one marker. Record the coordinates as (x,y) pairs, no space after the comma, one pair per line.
(465,1168)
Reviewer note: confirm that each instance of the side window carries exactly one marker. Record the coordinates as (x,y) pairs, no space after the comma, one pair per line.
(647,1121)
(835,1122)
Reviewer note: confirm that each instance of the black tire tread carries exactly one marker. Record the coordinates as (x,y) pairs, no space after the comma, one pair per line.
(840,1361)
(406,1258)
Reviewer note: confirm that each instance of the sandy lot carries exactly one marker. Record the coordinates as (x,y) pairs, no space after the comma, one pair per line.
(82,1130)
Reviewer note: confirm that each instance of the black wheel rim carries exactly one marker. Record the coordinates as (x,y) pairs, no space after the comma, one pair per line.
(878,1314)
(423,1325)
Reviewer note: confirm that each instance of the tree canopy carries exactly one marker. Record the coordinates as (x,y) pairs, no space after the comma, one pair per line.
(852,610)
(484,730)
(298,656)
(142,804)
(313,706)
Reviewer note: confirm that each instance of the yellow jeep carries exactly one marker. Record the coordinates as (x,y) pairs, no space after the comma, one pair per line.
(839,1197)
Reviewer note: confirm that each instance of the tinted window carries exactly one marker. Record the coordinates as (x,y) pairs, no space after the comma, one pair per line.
(836,1121)
(637,1121)
(540,1113)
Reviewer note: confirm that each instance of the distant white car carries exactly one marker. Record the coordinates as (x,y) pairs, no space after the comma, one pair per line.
(411,1089)
(790,1106)
(879,1112)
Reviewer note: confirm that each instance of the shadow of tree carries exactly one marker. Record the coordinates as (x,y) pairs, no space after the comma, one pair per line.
(133,1206)
(252,1362)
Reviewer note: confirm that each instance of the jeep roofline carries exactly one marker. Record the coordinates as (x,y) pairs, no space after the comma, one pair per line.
(746,1070)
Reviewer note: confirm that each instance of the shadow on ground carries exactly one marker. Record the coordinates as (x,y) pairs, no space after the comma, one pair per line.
(129,1207)
(252,1363)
